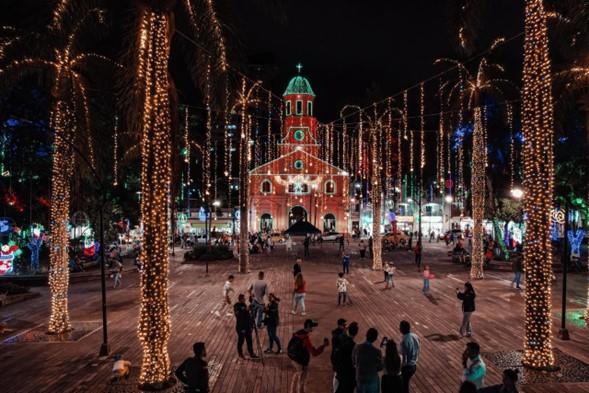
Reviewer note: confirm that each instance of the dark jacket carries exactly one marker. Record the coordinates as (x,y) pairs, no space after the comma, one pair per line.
(518,265)
(272,316)
(344,365)
(467,298)
(243,320)
(368,361)
(194,373)
(336,335)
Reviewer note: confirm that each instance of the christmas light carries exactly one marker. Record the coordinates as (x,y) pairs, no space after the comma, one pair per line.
(153,86)
(478,189)
(115,153)
(538,182)
(421,130)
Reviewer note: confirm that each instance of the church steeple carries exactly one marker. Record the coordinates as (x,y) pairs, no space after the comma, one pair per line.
(300,126)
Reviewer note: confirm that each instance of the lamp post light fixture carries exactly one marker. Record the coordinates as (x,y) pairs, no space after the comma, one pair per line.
(449,199)
(517,192)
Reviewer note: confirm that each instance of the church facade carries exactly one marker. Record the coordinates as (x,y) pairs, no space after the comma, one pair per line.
(299,185)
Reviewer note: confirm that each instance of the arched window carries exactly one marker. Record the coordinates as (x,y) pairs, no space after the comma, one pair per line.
(329,187)
(288,108)
(299,107)
(309,108)
(266,186)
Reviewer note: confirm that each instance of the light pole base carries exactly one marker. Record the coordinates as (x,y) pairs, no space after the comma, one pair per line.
(563,334)
(104,350)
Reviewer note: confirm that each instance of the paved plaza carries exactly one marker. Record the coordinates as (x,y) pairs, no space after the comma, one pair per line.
(195,298)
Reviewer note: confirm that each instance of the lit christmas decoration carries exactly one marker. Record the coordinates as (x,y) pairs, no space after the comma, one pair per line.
(115,153)
(478,190)
(538,182)
(8,253)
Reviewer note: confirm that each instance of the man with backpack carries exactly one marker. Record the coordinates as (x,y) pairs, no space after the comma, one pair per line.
(300,347)
(345,371)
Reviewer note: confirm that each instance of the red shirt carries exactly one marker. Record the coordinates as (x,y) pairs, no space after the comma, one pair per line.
(301,289)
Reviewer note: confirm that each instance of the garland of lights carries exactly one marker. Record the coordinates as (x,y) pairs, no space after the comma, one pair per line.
(421,129)
(61,173)
(206,171)
(478,195)
(538,182)
(152,71)
(509,113)
(376,193)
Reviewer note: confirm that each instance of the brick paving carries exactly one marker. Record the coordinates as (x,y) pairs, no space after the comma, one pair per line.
(194,298)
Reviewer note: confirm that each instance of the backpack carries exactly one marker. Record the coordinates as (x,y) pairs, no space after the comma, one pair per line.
(297,352)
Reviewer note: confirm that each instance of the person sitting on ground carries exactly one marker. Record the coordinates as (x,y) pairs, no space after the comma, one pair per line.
(194,372)
(474,367)
(121,368)
(509,384)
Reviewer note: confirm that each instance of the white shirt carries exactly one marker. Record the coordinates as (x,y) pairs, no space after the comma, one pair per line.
(227,288)
(342,285)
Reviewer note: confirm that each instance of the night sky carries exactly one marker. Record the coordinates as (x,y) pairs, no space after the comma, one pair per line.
(358,51)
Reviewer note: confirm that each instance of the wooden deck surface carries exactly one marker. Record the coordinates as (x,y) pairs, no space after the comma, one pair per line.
(194,297)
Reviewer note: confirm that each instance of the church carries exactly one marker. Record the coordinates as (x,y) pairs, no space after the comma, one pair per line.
(299,185)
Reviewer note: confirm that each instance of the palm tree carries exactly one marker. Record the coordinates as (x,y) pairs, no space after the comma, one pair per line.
(57,54)
(149,98)
(469,90)
(538,182)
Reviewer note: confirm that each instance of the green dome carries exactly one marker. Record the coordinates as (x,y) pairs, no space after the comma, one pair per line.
(299,85)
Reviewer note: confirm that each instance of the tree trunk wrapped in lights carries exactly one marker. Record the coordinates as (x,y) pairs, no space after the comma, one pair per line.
(538,154)
(376,192)
(478,182)
(154,322)
(61,172)
(244,197)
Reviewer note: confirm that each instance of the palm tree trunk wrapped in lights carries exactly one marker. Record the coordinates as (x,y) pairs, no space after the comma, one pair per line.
(61,172)
(152,73)
(538,154)
(478,182)
(376,194)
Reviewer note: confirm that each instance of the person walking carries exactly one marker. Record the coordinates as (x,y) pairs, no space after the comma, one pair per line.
(410,242)
(345,371)
(300,348)
(368,362)
(299,294)
(306,244)
(508,385)
(362,248)
(227,290)
(243,326)
(409,348)
(272,321)
(257,291)
(297,267)
(194,371)
(346,263)
(427,276)
(342,289)
(391,381)
(288,245)
(517,267)
(474,366)
(418,251)
(468,307)
(118,274)
(341,244)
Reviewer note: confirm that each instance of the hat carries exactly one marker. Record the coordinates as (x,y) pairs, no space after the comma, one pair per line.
(341,322)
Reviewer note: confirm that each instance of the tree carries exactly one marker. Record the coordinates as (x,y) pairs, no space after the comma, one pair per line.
(149,97)
(57,54)
(538,182)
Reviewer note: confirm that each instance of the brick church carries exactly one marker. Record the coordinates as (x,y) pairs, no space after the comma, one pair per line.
(298,185)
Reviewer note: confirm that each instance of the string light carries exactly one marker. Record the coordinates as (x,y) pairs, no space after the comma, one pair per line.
(421,129)
(478,181)
(154,320)
(206,171)
(509,113)
(441,146)
(538,182)
(269,129)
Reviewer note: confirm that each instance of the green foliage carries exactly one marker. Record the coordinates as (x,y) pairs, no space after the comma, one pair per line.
(208,253)
(509,209)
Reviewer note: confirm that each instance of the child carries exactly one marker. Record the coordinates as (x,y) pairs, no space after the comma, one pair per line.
(427,275)
(390,270)
(346,263)
(118,275)
(342,289)
(121,368)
